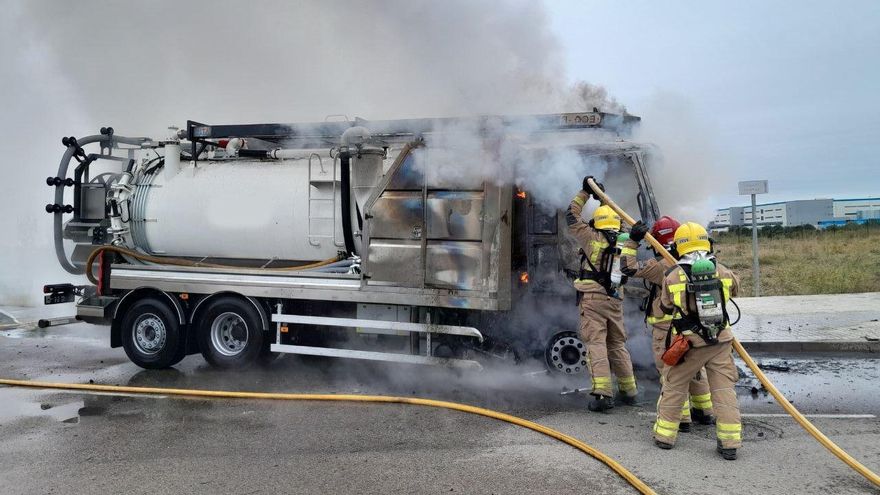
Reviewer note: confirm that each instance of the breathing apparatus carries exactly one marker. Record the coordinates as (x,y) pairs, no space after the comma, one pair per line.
(608,273)
(707,293)
(617,277)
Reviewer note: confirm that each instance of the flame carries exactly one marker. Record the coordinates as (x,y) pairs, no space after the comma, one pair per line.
(521,194)
(524,277)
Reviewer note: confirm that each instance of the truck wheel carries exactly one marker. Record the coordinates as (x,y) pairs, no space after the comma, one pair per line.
(230,333)
(151,335)
(566,353)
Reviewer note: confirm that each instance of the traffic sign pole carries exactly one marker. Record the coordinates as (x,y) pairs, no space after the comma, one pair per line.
(753,188)
(756,267)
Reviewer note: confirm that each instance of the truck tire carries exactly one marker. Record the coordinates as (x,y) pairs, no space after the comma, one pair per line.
(151,334)
(230,333)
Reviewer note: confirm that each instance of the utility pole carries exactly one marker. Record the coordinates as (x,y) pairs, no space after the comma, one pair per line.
(753,188)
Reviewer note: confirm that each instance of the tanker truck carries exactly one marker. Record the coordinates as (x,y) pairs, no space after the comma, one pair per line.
(413,241)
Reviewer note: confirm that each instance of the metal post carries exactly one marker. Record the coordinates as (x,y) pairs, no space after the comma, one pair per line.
(756,269)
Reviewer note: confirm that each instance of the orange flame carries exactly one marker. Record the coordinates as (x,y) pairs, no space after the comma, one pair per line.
(524,277)
(521,194)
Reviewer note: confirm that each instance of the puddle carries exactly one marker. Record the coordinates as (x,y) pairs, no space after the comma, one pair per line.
(18,404)
(817,384)
(8,322)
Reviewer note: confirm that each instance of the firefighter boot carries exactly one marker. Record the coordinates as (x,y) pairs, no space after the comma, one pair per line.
(663,445)
(628,400)
(600,403)
(684,427)
(727,454)
(701,417)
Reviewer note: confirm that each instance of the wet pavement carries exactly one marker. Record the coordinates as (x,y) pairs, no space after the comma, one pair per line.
(68,442)
(839,321)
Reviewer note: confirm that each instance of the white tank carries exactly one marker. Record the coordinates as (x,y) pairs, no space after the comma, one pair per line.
(239,209)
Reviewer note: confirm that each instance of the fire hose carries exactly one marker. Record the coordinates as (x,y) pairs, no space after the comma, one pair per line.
(225,394)
(161,260)
(789,408)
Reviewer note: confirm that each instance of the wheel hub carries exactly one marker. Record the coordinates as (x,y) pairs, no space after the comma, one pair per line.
(149,334)
(567,354)
(229,334)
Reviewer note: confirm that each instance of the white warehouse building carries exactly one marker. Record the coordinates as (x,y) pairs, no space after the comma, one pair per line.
(819,213)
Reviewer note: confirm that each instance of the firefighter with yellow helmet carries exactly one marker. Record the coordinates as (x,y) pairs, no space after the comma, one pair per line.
(600,291)
(696,292)
(699,407)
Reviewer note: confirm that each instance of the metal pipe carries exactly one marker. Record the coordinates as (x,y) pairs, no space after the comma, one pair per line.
(345,179)
(756,269)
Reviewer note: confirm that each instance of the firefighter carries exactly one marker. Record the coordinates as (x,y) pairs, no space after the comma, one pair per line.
(695,292)
(699,407)
(600,303)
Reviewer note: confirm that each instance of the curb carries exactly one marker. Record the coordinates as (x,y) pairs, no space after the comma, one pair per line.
(814,346)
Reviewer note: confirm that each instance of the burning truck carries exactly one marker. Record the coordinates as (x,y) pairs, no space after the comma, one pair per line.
(416,241)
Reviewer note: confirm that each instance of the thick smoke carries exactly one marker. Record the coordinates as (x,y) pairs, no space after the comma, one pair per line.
(40,104)
(688,169)
(72,67)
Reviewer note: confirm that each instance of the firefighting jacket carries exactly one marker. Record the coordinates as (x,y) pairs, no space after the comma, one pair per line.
(593,243)
(653,271)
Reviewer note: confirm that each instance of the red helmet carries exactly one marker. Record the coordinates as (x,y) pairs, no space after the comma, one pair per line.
(664,230)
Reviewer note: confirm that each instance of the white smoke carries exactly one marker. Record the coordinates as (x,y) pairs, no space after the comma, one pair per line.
(689,169)
(72,67)
(40,105)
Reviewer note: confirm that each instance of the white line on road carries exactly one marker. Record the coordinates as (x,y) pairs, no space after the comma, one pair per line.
(784,415)
(820,416)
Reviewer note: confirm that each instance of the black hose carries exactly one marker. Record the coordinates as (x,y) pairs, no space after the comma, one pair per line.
(345,179)
(738,312)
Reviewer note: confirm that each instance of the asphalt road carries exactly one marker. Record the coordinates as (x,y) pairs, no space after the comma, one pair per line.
(63,442)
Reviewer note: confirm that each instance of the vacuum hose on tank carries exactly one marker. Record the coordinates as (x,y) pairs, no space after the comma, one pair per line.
(161,260)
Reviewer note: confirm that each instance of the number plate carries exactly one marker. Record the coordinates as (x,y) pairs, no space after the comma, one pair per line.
(58,298)
(590,118)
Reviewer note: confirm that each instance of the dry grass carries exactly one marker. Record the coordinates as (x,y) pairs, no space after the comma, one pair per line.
(807,262)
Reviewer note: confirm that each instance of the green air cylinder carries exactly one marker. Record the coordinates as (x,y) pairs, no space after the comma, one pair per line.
(708,298)
(702,269)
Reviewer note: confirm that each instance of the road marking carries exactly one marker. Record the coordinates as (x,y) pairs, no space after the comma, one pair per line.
(821,416)
(785,415)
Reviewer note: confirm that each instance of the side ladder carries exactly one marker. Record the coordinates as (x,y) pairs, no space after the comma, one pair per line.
(322,209)
(423,328)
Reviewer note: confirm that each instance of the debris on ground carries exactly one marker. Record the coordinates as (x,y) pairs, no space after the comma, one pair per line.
(568,391)
(774,367)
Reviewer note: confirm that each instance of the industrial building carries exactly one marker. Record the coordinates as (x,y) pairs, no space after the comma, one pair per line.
(819,213)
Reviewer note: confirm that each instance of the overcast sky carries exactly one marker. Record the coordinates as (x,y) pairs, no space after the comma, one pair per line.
(788,91)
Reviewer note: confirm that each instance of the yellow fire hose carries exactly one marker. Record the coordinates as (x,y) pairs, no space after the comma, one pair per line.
(789,408)
(550,432)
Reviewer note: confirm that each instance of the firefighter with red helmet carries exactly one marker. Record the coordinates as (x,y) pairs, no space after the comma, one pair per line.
(699,407)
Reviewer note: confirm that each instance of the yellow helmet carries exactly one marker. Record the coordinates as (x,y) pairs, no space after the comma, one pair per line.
(604,218)
(691,237)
